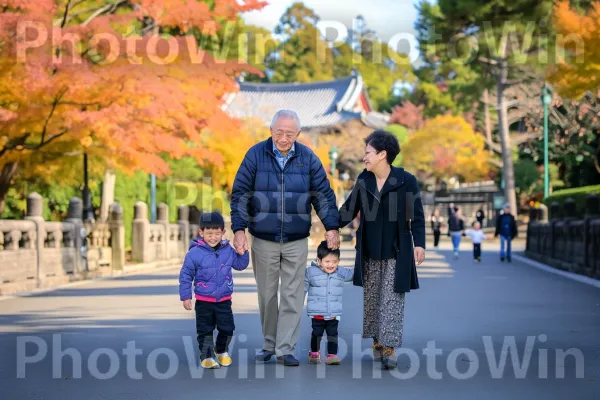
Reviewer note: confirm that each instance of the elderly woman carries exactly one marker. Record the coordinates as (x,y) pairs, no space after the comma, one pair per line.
(390,242)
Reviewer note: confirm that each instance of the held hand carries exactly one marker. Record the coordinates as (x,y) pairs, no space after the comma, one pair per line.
(419,255)
(187,304)
(240,242)
(333,239)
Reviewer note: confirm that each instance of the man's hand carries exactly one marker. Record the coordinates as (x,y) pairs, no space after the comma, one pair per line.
(187,304)
(419,255)
(240,242)
(333,239)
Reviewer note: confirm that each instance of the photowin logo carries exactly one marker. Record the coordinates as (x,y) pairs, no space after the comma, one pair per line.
(507,359)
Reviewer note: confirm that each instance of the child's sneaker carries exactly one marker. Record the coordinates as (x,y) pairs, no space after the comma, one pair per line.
(332,359)
(224,359)
(210,363)
(314,357)
(377,352)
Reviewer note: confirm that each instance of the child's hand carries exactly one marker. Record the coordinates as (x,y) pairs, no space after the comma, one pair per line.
(187,304)
(240,251)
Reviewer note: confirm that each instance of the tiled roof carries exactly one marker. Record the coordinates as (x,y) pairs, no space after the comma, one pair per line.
(317,103)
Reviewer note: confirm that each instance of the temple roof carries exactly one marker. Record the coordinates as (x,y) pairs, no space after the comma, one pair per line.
(318,104)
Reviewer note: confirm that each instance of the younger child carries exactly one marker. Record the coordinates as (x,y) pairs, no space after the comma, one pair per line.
(207,266)
(477,236)
(324,281)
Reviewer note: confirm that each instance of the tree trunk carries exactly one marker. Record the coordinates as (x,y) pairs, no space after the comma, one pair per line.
(508,169)
(486,116)
(6,176)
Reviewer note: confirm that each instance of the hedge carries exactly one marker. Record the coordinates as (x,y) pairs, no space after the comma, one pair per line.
(578,194)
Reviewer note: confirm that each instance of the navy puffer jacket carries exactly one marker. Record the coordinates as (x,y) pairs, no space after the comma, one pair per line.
(276,204)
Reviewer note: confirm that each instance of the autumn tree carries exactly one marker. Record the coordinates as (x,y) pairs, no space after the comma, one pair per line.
(444,147)
(578,37)
(408,115)
(103,78)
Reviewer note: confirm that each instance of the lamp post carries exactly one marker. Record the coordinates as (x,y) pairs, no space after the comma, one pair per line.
(333,156)
(88,212)
(546,99)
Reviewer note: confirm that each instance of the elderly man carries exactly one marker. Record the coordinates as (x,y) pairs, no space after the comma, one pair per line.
(276,186)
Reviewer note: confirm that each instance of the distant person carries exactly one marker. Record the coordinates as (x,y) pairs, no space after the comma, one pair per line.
(477,236)
(436,227)
(456,226)
(480,217)
(506,228)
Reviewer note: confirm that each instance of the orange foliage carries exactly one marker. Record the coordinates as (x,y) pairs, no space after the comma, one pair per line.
(71,81)
(447,146)
(579,36)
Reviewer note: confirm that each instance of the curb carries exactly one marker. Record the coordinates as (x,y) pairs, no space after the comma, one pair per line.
(569,275)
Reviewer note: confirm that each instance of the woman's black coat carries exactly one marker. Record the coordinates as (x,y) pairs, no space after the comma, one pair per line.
(410,217)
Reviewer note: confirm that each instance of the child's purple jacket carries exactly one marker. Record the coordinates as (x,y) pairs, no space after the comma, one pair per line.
(209,271)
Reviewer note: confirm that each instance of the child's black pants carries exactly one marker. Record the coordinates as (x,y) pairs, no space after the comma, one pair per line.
(477,251)
(208,316)
(319,326)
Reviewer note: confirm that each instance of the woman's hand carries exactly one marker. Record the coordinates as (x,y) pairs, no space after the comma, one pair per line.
(419,255)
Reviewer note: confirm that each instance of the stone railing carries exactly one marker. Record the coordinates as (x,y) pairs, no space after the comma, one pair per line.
(564,241)
(35,253)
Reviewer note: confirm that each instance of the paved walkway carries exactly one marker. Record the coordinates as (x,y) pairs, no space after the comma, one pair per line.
(134,333)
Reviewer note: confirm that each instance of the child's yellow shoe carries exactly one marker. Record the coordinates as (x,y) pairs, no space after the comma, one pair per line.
(224,359)
(210,363)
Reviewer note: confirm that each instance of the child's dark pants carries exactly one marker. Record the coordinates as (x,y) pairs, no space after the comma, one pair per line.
(208,316)
(319,326)
(477,251)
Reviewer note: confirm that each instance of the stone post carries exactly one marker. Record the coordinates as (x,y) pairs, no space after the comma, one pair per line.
(543,213)
(194,222)
(555,215)
(570,208)
(183,220)
(75,217)
(570,213)
(592,211)
(162,218)
(35,213)
(117,234)
(141,233)
(555,212)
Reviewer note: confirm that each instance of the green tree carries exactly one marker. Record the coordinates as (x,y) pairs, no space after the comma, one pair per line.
(527,177)
(303,56)
(497,40)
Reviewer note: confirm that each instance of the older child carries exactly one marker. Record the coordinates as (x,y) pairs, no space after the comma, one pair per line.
(207,266)
(324,282)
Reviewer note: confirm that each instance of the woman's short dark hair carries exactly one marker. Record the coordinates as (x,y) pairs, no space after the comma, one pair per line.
(213,220)
(382,140)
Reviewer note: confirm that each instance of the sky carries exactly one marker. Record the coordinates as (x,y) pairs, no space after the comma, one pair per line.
(393,20)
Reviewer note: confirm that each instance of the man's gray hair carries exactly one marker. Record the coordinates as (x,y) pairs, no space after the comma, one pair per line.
(286,114)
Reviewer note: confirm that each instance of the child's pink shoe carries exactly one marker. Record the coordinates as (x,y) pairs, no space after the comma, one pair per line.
(332,359)
(314,357)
